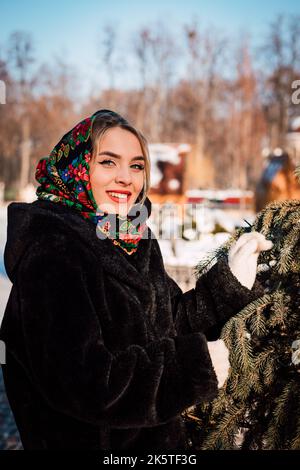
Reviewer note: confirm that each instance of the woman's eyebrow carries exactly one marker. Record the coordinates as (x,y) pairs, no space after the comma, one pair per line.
(115,155)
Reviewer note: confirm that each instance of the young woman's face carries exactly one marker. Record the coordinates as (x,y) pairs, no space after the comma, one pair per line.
(117,171)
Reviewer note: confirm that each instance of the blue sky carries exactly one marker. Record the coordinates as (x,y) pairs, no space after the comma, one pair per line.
(72,29)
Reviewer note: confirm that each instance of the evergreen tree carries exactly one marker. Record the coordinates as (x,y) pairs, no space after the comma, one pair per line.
(259,405)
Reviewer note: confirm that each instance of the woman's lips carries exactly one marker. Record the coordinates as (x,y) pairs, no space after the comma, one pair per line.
(123,198)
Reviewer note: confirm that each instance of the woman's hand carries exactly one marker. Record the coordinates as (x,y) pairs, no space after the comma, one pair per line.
(243,255)
(219,355)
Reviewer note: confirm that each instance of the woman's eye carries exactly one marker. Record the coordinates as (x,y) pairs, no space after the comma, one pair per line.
(106,162)
(137,166)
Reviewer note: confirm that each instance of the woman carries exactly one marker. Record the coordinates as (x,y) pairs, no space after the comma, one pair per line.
(103,349)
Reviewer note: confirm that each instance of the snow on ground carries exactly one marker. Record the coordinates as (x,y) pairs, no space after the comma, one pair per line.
(189,253)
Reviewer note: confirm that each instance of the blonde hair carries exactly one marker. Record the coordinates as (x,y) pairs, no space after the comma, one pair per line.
(106,119)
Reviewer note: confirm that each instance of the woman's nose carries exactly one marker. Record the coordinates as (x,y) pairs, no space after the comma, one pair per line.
(123,176)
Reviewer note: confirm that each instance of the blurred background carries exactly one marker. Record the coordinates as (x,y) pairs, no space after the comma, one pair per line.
(214,87)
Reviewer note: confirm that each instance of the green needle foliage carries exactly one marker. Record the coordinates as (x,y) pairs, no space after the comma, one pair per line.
(259,405)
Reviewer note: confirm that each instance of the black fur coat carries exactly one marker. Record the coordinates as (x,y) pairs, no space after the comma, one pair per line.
(103,351)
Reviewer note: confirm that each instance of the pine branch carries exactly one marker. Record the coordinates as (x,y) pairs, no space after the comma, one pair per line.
(259,405)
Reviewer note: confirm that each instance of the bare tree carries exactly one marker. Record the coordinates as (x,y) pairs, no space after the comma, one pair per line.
(53,109)
(281,53)
(156,53)
(245,126)
(20,56)
(141,48)
(109,62)
(206,61)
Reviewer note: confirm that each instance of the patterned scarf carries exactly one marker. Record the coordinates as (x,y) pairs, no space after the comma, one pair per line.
(64,178)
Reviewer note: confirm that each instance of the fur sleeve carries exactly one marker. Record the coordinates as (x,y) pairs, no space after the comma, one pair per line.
(217,296)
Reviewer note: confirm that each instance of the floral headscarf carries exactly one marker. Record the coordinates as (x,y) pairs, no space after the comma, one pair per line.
(64,178)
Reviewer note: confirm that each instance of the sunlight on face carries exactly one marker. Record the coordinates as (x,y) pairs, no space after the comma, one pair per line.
(117,171)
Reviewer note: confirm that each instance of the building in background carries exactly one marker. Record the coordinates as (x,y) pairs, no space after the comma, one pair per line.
(175,169)
(278,181)
(168,167)
(180,174)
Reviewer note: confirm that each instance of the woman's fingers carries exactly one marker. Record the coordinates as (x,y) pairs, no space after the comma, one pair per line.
(241,241)
(264,244)
(248,248)
(261,243)
(243,255)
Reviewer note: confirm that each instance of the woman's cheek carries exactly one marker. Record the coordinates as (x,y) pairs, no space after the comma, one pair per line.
(102,178)
(139,181)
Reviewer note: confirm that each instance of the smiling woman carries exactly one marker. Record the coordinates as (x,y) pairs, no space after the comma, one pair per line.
(103,350)
(119,145)
(117,179)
